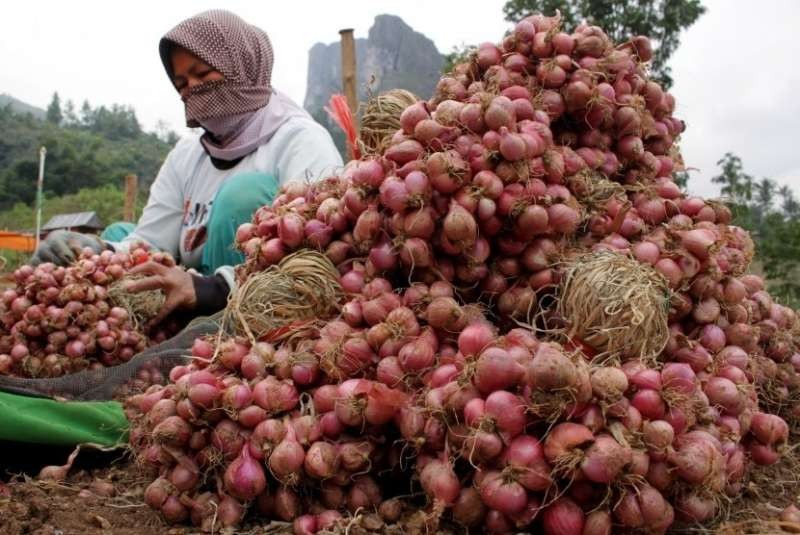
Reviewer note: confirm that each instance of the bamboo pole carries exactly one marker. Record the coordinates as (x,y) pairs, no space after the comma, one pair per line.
(131,189)
(349,69)
(39,195)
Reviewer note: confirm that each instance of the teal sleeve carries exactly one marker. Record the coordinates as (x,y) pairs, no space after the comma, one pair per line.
(235,203)
(46,421)
(118,231)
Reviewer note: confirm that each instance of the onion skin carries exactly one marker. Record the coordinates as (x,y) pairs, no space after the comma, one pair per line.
(440,482)
(605,459)
(563,517)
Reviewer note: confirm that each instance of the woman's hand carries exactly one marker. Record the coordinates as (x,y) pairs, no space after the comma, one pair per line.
(175,282)
(62,247)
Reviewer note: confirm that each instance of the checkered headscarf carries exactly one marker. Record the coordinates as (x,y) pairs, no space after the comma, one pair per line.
(241,52)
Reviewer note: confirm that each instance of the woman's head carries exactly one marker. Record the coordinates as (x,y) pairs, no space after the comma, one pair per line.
(221,66)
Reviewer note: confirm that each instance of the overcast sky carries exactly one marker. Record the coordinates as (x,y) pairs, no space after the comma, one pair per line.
(736,79)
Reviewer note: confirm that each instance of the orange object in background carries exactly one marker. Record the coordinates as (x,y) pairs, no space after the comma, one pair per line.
(15,241)
(342,115)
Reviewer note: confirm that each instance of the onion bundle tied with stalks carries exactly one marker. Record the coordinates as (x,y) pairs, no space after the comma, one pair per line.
(380,119)
(616,305)
(302,287)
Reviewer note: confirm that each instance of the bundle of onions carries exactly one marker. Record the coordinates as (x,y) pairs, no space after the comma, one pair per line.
(380,119)
(304,286)
(615,304)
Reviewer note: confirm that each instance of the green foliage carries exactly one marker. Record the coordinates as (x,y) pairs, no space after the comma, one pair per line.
(97,148)
(772,216)
(459,54)
(660,20)
(11,260)
(681,178)
(108,201)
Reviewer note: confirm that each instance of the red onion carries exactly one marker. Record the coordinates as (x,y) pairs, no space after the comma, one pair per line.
(649,403)
(404,152)
(440,482)
(508,412)
(469,510)
(502,494)
(500,113)
(412,115)
(496,369)
(563,517)
(244,477)
(287,458)
(604,460)
(769,429)
(305,525)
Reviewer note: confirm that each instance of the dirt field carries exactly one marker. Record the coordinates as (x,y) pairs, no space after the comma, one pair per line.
(74,507)
(84,504)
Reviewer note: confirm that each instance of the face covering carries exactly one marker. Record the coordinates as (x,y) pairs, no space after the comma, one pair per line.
(242,111)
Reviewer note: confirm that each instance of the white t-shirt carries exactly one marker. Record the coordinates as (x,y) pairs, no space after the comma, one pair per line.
(181,195)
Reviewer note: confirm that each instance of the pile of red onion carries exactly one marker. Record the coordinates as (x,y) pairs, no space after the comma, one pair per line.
(60,320)
(446,244)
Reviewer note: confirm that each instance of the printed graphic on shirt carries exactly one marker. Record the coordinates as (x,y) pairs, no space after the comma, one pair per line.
(195,216)
(195,238)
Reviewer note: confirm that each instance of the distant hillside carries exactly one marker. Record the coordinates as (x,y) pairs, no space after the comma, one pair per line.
(392,56)
(17,106)
(93,150)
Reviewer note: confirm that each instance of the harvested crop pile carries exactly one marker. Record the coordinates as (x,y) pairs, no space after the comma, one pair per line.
(60,320)
(464,370)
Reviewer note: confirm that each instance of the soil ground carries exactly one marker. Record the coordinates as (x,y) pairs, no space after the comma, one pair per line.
(77,506)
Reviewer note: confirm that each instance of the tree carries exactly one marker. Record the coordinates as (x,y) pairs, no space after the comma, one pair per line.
(764,196)
(736,184)
(789,203)
(117,122)
(660,20)
(70,118)
(681,178)
(107,201)
(54,110)
(765,192)
(86,113)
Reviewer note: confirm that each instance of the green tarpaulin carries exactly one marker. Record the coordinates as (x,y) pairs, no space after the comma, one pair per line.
(45,421)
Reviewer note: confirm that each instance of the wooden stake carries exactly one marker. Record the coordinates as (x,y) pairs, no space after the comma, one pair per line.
(349,81)
(131,189)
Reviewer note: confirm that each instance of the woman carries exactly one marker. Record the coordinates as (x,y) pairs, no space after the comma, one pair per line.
(255,139)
